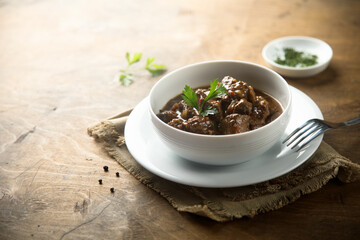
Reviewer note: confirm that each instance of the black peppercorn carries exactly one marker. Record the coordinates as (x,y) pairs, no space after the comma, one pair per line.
(106,168)
(117,174)
(100,181)
(112,190)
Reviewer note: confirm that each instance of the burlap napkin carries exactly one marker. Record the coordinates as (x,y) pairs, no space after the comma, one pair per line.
(224,204)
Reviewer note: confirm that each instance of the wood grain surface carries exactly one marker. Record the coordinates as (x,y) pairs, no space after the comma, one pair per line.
(58,66)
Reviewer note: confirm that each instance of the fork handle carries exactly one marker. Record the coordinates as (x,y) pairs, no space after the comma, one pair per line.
(352,121)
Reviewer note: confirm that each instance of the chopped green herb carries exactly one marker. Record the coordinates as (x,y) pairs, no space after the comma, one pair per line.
(190,97)
(295,58)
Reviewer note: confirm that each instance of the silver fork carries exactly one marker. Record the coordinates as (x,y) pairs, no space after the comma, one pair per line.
(312,129)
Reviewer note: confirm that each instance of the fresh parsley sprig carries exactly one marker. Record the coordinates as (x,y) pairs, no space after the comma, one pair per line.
(154,69)
(136,58)
(126,77)
(190,97)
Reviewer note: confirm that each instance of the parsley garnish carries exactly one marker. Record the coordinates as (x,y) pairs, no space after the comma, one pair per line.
(126,77)
(190,97)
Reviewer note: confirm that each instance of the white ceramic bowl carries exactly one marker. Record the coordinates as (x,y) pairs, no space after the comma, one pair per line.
(220,149)
(274,49)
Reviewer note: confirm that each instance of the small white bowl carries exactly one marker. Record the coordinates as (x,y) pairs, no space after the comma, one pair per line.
(220,149)
(274,49)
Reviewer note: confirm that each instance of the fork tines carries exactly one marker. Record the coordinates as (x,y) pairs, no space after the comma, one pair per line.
(308,131)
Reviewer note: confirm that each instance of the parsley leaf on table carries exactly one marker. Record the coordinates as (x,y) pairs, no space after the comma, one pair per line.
(154,69)
(136,58)
(126,77)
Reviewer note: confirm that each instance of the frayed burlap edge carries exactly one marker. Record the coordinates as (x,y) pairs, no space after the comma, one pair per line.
(224,204)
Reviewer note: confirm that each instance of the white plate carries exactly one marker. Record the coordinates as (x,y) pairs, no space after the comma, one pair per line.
(148,150)
(274,49)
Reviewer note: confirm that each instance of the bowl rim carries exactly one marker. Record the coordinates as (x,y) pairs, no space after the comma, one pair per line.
(227,136)
(306,38)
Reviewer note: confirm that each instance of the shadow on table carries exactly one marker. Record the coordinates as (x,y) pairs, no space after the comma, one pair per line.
(326,77)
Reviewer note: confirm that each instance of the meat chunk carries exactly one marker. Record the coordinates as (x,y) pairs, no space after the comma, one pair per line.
(167,116)
(260,112)
(185,111)
(216,104)
(200,124)
(242,107)
(235,123)
(238,89)
(201,93)
(178,123)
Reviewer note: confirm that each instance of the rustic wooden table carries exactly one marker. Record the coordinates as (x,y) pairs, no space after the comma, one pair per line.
(58,66)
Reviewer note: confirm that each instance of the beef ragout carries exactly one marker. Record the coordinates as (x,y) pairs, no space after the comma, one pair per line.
(241,109)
